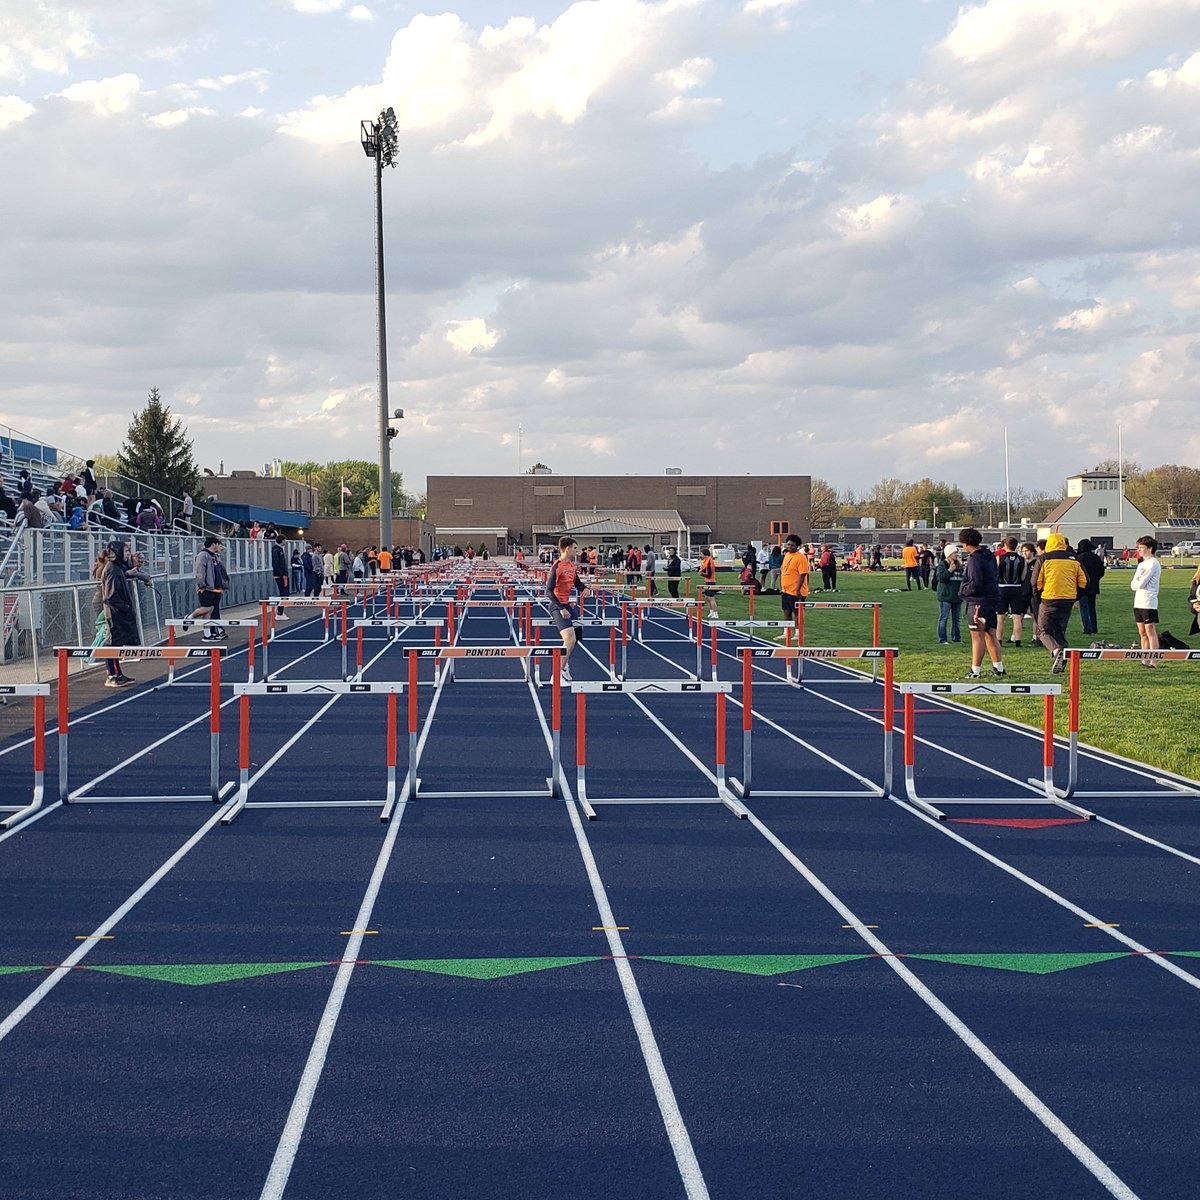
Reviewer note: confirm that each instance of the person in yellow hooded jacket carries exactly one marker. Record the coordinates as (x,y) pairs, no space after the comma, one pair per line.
(1059,579)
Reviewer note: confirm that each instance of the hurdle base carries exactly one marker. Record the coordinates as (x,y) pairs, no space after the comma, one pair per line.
(869,791)
(85,797)
(19,814)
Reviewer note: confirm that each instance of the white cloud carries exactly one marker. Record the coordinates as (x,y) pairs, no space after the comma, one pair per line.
(105,96)
(13,109)
(468,336)
(360,12)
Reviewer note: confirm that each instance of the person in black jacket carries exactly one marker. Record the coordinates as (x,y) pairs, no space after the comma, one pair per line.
(1194,603)
(1093,568)
(674,573)
(279,568)
(980,592)
(120,607)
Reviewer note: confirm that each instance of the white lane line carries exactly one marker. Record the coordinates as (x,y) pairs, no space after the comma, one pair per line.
(302,1102)
(664,1093)
(64,968)
(1071,1141)
(1088,917)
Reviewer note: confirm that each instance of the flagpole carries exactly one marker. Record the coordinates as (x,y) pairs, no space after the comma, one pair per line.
(342,490)
(1121,475)
(1007,487)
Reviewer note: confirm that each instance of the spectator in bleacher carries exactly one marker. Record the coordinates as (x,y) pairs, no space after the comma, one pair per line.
(148,519)
(88,479)
(7,504)
(51,509)
(30,511)
(110,513)
(24,482)
(132,504)
(186,513)
(78,517)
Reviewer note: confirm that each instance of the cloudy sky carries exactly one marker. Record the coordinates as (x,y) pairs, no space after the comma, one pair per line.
(852,238)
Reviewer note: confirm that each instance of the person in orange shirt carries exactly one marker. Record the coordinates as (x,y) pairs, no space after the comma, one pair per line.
(385,559)
(708,573)
(909,561)
(565,577)
(793,576)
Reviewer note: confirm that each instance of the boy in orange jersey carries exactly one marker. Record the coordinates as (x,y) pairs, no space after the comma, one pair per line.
(793,577)
(565,576)
(708,573)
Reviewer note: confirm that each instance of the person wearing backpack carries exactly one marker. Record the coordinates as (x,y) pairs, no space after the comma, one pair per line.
(1093,568)
(1013,573)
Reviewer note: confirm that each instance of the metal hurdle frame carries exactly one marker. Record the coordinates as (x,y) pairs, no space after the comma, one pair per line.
(612,624)
(688,606)
(849,605)
(448,654)
(186,623)
(1178,786)
(311,688)
(1046,690)
(39,692)
(216,793)
(743,787)
(582,689)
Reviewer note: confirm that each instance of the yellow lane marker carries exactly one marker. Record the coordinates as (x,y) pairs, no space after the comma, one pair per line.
(1104,925)
(600,928)
(860,926)
(349,932)
(94,937)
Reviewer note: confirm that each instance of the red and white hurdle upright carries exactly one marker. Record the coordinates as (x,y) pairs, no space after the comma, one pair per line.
(985,688)
(651,687)
(39,692)
(1075,658)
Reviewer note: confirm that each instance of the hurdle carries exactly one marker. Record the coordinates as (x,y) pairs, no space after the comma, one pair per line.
(311,688)
(742,787)
(188,623)
(1046,690)
(691,610)
(845,605)
(395,625)
(1075,658)
(64,655)
(657,687)
(449,654)
(612,624)
(715,626)
(39,692)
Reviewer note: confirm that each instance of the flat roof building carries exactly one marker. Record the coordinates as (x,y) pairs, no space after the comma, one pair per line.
(506,511)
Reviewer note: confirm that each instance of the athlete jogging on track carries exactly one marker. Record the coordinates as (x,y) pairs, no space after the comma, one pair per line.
(564,575)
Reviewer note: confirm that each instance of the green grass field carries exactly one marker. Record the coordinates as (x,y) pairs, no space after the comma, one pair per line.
(1149,715)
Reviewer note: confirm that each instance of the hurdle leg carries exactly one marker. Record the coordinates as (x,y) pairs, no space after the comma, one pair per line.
(39,767)
(726,799)
(243,794)
(64,787)
(889,722)
(581,755)
(741,787)
(390,800)
(555,725)
(910,747)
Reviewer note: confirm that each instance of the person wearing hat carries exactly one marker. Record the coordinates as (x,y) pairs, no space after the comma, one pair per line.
(947,579)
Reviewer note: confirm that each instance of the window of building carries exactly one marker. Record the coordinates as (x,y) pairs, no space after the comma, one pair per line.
(1102,512)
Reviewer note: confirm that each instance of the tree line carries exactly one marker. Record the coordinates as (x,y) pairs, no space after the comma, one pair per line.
(1161,492)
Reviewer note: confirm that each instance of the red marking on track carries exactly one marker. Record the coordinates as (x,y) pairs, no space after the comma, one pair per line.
(1020,822)
(64,967)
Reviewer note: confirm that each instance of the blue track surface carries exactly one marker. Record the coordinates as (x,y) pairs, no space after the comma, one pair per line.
(491,996)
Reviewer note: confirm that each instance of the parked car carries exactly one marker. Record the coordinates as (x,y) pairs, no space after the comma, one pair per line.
(1186,549)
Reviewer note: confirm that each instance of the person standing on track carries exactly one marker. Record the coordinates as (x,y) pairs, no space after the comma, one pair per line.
(208,575)
(674,572)
(280,569)
(650,567)
(793,577)
(120,607)
(980,591)
(563,577)
(708,573)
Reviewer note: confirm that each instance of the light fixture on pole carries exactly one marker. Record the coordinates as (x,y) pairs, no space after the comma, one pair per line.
(379,142)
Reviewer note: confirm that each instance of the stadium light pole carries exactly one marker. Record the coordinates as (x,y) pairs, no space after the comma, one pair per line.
(379,142)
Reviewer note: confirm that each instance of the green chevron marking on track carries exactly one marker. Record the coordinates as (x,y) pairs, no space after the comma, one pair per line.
(756,964)
(480,968)
(196,974)
(17,970)
(1030,964)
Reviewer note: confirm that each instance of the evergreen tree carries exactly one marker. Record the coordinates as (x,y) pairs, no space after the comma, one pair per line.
(157,451)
